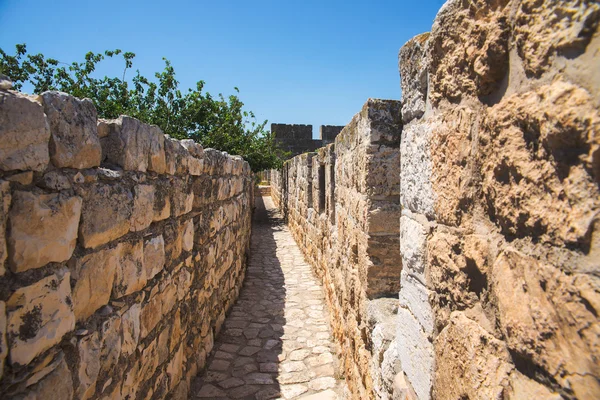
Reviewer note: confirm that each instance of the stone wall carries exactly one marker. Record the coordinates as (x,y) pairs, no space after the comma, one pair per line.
(297,138)
(121,250)
(342,206)
(500,202)
(499,235)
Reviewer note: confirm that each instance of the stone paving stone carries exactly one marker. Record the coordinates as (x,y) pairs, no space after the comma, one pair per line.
(276,341)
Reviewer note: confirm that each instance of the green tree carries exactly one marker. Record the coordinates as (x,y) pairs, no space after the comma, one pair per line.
(216,122)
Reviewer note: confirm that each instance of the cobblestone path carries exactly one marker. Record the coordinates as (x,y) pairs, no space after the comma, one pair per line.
(276,341)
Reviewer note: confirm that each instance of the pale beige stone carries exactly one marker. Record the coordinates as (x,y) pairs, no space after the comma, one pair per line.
(545,311)
(34,221)
(188,235)
(74,142)
(469,361)
(174,368)
(130,323)
(111,333)
(182,198)
(106,213)
(133,145)
(39,316)
(143,203)
(24,133)
(154,256)
(89,349)
(95,275)
(151,315)
(130,273)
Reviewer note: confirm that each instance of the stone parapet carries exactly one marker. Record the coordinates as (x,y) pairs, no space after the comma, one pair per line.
(342,206)
(121,250)
(500,202)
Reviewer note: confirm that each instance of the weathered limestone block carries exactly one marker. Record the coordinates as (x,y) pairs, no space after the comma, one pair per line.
(39,316)
(133,145)
(546,321)
(5,199)
(525,388)
(384,218)
(3,342)
(159,304)
(174,368)
(162,200)
(131,275)
(467,49)
(541,163)
(416,193)
(143,203)
(195,161)
(94,274)
(106,213)
(470,362)
(187,243)
(173,240)
(214,161)
(130,323)
(74,142)
(34,221)
(88,348)
(412,65)
(554,27)
(154,256)
(111,339)
(182,197)
(177,157)
(24,133)
(56,385)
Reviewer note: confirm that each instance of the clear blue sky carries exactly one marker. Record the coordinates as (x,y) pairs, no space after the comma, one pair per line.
(309,62)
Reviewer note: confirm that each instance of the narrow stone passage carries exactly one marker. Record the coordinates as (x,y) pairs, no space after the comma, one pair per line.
(276,341)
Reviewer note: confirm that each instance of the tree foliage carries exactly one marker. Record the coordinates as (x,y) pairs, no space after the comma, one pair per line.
(218,122)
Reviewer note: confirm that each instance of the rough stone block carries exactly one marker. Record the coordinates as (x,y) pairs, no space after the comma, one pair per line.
(416,353)
(543,318)
(188,235)
(56,385)
(24,133)
(94,274)
(134,145)
(74,142)
(182,198)
(176,156)
(130,323)
(111,334)
(89,349)
(416,192)
(412,65)
(130,276)
(154,256)
(162,200)
(106,213)
(384,218)
(143,203)
(39,316)
(34,221)
(470,361)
